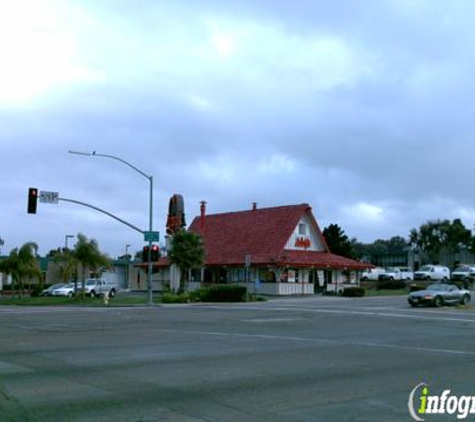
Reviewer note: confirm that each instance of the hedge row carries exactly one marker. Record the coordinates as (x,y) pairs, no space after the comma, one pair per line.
(391,285)
(353,292)
(218,293)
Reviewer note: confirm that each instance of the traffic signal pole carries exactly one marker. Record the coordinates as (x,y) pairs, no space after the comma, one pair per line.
(150,225)
(103,212)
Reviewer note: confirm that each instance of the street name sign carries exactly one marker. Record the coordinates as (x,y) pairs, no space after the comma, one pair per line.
(151,236)
(47,197)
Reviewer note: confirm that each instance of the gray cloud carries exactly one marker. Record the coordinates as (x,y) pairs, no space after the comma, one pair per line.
(362,110)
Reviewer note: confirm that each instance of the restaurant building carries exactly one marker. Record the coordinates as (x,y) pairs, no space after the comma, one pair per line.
(274,251)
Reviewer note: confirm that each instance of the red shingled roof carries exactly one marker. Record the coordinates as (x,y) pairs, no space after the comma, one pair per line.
(263,233)
(320,260)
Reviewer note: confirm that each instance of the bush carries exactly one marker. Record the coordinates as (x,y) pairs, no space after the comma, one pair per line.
(36,290)
(175,298)
(416,287)
(353,292)
(391,285)
(218,293)
(224,293)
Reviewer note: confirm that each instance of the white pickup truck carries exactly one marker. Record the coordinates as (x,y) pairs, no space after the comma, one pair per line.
(372,274)
(397,273)
(94,287)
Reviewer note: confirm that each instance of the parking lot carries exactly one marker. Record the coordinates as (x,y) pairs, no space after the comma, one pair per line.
(290,359)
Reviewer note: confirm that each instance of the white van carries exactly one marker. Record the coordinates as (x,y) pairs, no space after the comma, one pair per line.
(432,273)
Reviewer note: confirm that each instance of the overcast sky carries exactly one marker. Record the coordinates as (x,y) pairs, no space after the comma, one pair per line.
(363,109)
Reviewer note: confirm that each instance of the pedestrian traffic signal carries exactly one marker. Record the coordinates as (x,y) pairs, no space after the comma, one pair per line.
(155,253)
(32,200)
(145,254)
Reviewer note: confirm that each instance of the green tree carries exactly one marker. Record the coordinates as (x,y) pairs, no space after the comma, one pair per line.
(429,238)
(436,236)
(67,263)
(89,258)
(457,237)
(397,244)
(21,264)
(187,252)
(338,241)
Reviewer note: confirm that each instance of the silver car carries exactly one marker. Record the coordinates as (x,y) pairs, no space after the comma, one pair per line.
(439,294)
(49,291)
(66,290)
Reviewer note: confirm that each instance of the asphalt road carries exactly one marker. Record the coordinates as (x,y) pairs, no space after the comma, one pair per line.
(304,359)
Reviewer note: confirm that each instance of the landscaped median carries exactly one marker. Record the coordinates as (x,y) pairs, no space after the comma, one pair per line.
(119,300)
(218,293)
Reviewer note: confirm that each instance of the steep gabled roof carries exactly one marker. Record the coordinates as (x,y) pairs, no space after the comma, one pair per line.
(262,233)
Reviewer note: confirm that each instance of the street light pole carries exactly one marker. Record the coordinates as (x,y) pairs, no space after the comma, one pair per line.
(127,260)
(68,236)
(149,257)
(150,222)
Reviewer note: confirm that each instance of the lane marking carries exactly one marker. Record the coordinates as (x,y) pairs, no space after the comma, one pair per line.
(277,319)
(349,312)
(322,341)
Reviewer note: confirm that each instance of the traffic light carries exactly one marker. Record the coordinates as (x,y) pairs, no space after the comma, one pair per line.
(145,254)
(155,253)
(32,200)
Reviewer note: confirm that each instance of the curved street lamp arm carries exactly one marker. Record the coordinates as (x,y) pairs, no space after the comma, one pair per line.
(95,154)
(124,162)
(103,212)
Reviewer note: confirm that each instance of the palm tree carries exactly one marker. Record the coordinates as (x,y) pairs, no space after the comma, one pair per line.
(22,263)
(87,254)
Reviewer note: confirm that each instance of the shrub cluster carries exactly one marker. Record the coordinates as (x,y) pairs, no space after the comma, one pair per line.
(224,293)
(391,285)
(218,293)
(353,292)
(36,290)
(416,287)
(175,298)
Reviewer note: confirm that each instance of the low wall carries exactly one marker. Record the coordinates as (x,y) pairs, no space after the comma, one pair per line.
(280,289)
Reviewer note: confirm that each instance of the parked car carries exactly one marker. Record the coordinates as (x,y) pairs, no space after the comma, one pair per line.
(397,273)
(66,290)
(94,287)
(439,294)
(464,273)
(371,274)
(432,273)
(49,291)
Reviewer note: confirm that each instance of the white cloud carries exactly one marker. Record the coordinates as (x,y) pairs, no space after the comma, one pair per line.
(365,213)
(38,54)
(199,102)
(277,163)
